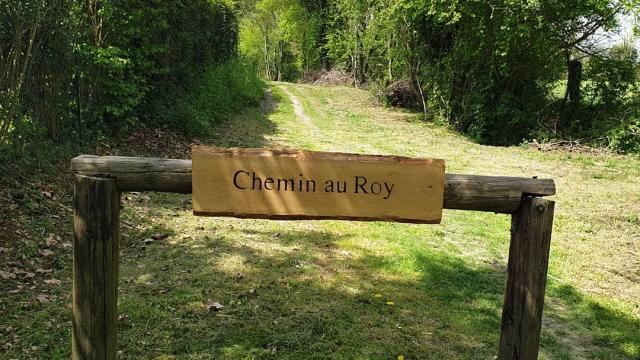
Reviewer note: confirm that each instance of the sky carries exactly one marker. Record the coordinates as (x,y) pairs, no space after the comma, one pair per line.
(608,39)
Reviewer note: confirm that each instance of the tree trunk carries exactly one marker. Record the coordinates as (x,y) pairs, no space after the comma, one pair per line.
(574,82)
(280,58)
(15,77)
(572,93)
(389,61)
(354,62)
(422,99)
(267,71)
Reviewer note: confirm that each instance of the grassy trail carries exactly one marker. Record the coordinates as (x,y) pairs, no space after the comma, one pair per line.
(354,290)
(595,247)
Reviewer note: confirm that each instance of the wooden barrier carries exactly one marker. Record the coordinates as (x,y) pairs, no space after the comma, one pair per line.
(498,194)
(98,181)
(96,203)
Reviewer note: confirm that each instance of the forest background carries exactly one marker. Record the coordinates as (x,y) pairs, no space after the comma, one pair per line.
(502,72)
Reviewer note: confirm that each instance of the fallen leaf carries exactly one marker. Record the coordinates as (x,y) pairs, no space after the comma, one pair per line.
(7,275)
(400,357)
(46,252)
(53,282)
(390,303)
(43,298)
(160,236)
(29,275)
(47,194)
(377,295)
(147,241)
(213,305)
(52,240)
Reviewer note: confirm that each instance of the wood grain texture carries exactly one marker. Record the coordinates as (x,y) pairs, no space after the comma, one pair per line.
(526,279)
(211,151)
(499,194)
(95,268)
(297,184)
(137,174)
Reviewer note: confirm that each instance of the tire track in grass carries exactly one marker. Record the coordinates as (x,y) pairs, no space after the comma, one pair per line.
(298,110)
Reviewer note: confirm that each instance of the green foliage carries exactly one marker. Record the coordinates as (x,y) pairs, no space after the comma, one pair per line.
(279,38)
(116,87)
(489,68)
(612,100)
(625,136)
(219,92)
(96,66)
(152,49)
(614,78)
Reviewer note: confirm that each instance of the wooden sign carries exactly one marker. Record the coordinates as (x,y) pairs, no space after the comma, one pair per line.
(296,184)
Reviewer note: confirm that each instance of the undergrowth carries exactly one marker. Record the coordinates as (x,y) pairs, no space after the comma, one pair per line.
(220,91)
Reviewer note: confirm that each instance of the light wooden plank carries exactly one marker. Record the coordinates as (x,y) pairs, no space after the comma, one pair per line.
(296,184)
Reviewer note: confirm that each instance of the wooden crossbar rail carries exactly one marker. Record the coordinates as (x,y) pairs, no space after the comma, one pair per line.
(99,180)
(498,194)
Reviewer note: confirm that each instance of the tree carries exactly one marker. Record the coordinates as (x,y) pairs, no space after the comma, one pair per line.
(20,25)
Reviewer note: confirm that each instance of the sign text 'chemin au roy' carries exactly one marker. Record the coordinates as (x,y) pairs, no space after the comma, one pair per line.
(296,184)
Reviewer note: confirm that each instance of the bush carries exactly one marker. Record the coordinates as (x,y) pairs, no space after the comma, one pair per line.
(97,66)
(625,136)
(612,100)
(218,93)
(513,120)
(161,45)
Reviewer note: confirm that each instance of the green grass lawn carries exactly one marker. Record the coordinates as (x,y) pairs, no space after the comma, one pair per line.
(339,289)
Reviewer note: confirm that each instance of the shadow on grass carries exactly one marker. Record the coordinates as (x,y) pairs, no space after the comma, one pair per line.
(291,290)
(294,291)
(579,325)
(250,127)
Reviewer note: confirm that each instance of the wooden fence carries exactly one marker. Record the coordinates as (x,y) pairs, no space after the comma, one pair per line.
(100,180)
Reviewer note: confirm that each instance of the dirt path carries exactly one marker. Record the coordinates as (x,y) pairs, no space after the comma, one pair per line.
(299,111)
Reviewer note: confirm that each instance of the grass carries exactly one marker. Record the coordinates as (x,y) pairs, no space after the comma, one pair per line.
(338,289)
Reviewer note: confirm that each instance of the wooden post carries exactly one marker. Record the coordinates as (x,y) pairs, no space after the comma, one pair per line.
(526,279)
(95,268)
